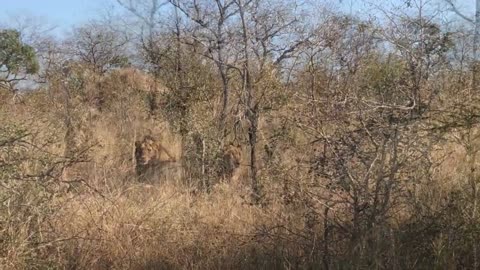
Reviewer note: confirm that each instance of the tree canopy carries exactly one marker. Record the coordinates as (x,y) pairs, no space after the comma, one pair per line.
(17,59)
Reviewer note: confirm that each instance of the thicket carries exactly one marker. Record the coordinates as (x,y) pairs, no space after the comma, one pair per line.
(359,140)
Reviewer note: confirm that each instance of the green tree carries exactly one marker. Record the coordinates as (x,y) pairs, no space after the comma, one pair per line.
(17,59)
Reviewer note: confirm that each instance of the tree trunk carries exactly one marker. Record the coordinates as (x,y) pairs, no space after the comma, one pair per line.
(251,108)
(476,42)
(252,139)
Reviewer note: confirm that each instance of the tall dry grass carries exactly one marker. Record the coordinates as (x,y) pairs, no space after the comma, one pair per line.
(164,227)
(98,215)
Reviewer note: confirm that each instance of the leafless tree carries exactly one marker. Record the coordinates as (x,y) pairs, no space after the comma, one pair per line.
(98,47)
(476,36)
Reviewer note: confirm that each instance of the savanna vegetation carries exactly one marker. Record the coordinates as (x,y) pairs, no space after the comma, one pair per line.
(243,134)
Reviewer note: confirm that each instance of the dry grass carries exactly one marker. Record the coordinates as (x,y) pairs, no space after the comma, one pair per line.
(109,220)
(160,227)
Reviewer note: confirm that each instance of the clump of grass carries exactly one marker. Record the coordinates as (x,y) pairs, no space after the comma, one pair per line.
(157,227)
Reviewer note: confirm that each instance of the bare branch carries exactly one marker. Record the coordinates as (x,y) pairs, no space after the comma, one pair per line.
(455,9)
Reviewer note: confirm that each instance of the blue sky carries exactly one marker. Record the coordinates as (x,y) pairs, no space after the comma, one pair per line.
(62,13)
(65,13)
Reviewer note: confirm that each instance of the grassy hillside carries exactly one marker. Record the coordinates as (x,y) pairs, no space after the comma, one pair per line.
(241,136)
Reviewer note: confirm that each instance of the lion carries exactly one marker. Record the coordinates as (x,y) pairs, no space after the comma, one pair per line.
(153,159)
(232,159)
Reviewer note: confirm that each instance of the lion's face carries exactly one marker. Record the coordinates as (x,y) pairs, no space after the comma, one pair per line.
(232,158)
(154,160)
(146,151)
(151,154)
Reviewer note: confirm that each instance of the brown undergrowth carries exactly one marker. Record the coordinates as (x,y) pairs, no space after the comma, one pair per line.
(164,227)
